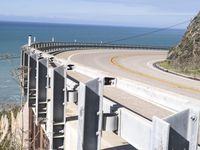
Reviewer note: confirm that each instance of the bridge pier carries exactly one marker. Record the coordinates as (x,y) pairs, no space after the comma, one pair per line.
(41,92)
(32,80)
(59,99)
(90,105)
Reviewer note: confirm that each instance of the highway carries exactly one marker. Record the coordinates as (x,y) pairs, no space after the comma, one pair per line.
(135,65)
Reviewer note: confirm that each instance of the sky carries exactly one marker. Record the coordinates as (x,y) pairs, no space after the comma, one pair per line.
(135,13)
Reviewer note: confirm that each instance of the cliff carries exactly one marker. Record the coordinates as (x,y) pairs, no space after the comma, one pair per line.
(185,56)
(11,127)
(8,121)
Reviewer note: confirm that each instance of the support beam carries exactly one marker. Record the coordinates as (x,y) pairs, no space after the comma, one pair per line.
(160,135)
(31,93)
(184,129)
(25,71)
(90,115)
(58,107)
(41,89)
(50,102)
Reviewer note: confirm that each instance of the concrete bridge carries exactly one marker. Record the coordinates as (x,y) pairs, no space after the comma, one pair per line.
(79,100)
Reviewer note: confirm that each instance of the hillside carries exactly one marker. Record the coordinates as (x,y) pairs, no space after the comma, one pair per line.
(12,123)
(9,131)
(185,57)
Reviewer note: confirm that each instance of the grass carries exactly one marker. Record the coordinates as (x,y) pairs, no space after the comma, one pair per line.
(165,64)
(189,72)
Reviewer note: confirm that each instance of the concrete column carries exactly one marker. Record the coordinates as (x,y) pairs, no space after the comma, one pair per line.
(58,107)
(184,129)
(25,72)
(193,128)
(160,134)
(50,112)
(28,78)
(32,80)
(41,89)
(34,39)
(90,115)
(29,40)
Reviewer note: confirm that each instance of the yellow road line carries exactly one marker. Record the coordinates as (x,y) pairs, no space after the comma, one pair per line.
(116,63)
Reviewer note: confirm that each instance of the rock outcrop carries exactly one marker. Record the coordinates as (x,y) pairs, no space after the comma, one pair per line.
(186,55)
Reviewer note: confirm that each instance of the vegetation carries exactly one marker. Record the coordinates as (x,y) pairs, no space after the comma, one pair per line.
(185,57)
(167,64)
(9,142)
(16,110)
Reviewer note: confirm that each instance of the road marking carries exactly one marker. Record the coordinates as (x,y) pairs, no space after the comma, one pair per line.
(116,63)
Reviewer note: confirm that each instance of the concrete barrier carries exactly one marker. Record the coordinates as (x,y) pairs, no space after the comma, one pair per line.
(158,96)
(164,98)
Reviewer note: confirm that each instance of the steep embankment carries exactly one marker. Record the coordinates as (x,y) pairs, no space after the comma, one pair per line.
(185,57)
(4,127)
(9,131)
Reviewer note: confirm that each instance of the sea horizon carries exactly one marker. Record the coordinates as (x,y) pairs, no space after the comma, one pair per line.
(84,24)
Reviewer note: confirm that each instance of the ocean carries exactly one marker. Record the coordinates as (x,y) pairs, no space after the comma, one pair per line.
(14,34)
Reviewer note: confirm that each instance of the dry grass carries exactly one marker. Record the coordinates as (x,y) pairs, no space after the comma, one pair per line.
(169,66)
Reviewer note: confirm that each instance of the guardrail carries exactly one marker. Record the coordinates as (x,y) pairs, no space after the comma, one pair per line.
(60,46)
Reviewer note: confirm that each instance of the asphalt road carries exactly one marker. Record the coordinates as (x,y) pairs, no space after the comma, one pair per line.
(135,65)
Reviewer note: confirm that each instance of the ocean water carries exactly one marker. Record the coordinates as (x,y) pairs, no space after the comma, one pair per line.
(13,35)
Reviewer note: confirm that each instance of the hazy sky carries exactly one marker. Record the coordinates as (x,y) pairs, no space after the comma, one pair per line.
(149,13)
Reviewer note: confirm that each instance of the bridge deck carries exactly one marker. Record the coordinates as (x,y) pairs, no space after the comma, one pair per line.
(135,104)
(78,77)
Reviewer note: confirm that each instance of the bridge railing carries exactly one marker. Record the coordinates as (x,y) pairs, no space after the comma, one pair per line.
(60,46)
